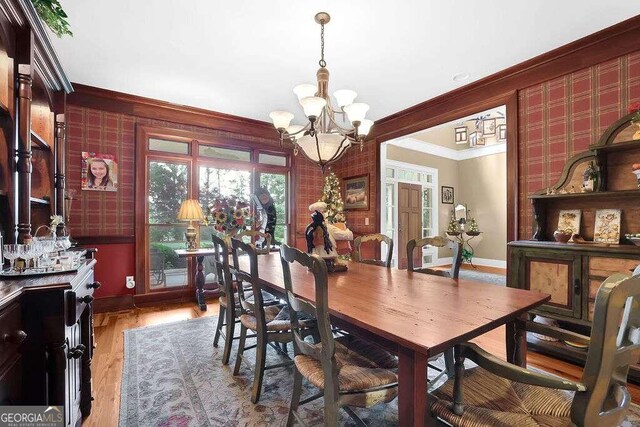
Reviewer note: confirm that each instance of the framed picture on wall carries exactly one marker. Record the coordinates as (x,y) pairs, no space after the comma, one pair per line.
(473,139)
(447,195)
(502,132)
(461,135)
(356,192)
(489,127)
(99,172)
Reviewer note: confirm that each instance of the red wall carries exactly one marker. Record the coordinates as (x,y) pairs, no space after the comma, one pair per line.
(562,117)
(115,262)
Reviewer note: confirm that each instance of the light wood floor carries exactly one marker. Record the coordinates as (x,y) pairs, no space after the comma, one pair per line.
(109,354)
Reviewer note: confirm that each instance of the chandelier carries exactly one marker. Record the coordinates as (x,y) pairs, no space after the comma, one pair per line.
(329,132)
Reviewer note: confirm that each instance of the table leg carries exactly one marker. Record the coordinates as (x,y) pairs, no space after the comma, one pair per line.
(516,338)
(412,389)
(200,283)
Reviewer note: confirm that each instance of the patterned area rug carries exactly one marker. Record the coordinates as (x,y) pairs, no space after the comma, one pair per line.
(479,276)
(173,377)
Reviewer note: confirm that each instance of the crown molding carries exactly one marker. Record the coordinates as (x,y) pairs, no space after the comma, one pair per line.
(448,153)
(138,106)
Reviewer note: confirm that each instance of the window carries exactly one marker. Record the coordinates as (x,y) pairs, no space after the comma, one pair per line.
(176,165)
(276,184)
(396,172)
(168,184)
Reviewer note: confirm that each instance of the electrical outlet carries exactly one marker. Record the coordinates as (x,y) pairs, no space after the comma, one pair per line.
(130,283)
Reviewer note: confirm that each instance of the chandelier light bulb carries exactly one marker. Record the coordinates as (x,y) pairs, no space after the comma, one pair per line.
(313,105)
(294,129)
(356,111)
(344,97)
(281,119)
(305,90)
(365,127)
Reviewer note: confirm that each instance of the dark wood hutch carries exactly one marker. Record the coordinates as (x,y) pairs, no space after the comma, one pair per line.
(573,272)
(46,331)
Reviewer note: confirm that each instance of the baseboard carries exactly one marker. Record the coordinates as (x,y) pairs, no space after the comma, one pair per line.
(113,303)
(490,262)
(442,261)
(496,263)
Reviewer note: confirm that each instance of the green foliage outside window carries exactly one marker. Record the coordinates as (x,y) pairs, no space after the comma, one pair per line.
(52,14)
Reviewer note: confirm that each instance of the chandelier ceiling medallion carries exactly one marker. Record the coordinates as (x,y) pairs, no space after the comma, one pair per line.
(330,132)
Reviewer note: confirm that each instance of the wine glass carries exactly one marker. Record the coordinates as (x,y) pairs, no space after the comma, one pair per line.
(13,252)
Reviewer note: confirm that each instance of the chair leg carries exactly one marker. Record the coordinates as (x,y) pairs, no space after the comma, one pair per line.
(258,370)
(295,396)
(221,316)
(449,363)
(229,331)
(243,338)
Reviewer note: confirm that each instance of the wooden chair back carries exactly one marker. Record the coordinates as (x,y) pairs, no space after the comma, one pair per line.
(615,344)
(255,237)
(255,305)
(440,242)
(223,272)
(325,353)
(356,254)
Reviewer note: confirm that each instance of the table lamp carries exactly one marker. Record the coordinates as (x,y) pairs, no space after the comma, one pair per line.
(190,210)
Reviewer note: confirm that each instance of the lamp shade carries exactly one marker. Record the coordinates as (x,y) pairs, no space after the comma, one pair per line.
(344,97)
(281,119)
(330,146)
(190,210)
(313,105)
(305,90)
(365,127)
(294,129)
(356,111)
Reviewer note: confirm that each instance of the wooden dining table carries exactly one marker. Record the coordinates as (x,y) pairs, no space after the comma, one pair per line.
(413,315)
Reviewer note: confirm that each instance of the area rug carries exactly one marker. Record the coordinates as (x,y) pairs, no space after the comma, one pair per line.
(173,377)
(479,276)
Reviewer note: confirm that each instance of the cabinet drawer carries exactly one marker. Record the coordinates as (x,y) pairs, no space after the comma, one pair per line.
(78,298)
(605,267)
(12,333)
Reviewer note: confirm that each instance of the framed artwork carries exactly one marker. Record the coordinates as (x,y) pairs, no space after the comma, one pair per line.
(607,228)
(461,135)
(446,195)
(473,139)
(356,192)
(99,172)
(570,220)
(502,132)
(480,141)
(489,127)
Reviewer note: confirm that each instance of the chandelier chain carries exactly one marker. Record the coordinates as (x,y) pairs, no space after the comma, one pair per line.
(322,62)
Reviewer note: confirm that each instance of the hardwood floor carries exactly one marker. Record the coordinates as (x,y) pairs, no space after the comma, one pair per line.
(109,354)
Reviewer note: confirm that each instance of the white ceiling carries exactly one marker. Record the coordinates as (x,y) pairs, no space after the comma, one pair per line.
(244,57)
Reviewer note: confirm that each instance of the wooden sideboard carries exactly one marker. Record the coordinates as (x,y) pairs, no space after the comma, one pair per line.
(573,272)
(46,330)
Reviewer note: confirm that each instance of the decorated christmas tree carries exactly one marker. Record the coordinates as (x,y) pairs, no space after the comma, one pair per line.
(454,227)
(332,197)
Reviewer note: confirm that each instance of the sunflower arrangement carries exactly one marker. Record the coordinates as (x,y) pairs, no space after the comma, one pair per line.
(229,214)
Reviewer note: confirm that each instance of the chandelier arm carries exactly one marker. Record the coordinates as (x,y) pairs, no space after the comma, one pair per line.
(304,129)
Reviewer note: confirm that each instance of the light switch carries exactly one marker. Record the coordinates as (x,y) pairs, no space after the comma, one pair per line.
(366,221)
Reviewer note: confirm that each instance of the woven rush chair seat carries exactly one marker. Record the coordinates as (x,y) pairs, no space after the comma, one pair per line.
(266,297)
(490,400)
(277,318)
(361,366)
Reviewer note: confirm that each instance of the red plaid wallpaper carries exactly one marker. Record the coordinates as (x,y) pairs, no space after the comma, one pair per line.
(562,117)
(97,213)
(309,189)
(111,213)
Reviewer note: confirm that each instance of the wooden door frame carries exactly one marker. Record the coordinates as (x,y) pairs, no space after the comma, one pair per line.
(510,101)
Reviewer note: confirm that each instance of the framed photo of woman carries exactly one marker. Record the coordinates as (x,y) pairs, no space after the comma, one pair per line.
(99,172)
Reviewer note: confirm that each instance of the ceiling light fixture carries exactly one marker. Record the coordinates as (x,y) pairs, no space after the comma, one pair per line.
(330,131)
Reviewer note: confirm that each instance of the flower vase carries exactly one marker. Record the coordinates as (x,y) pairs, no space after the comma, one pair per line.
(636,135)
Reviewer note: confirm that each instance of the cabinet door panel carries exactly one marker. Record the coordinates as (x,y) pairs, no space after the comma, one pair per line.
(558,277)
